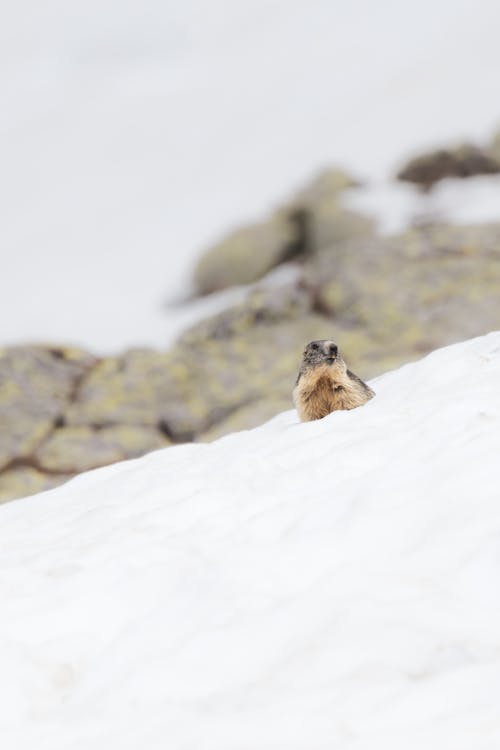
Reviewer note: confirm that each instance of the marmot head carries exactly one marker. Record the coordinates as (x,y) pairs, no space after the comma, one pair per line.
(324,352)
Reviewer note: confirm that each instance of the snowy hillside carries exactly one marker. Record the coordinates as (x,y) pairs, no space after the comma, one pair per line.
(296,587)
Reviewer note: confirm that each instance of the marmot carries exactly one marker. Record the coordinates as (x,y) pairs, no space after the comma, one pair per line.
(324,384)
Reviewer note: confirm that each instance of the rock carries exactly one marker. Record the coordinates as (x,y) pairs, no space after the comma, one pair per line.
(494,149)
(22,481)
(325,222)
(464,161)
(249,416)
(35,385)
(330,228)
(325,187)
(251,352)
(217,367)
(386,300)
(143,387)
(411,293)
(313,218)
(263,306)
(247,254)
(76,449)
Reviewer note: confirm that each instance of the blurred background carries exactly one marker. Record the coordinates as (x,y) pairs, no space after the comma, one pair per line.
(192,191)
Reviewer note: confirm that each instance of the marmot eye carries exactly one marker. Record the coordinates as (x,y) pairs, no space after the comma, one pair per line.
(314,347)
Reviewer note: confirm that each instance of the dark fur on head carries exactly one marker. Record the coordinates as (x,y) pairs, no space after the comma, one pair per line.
(319,352)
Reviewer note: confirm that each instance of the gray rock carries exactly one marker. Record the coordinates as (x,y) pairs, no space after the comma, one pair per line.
(249,416)
(71,450)
(393,299)
(311,219)
(463,161)
(35,386)
(324,220)
(246,254)
(22,481)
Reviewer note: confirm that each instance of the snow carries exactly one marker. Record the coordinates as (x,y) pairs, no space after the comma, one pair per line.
(319,585)
(398,205)
(133,134)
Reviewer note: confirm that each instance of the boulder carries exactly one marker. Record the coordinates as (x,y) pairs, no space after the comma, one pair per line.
(71,450)
(35,386)
(463,161)
(386,300)
(219,365)
(411,293)
(21,481)
(249,416)
(142,387)
(324,221)
(247,254)
(263,306)
(312,218)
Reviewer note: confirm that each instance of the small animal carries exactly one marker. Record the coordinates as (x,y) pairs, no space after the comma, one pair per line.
(324,384)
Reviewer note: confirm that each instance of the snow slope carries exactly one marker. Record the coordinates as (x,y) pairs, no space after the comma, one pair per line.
(134,133)
(322,585)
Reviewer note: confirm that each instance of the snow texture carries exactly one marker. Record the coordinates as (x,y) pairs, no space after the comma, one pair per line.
(133,134)
(324,585)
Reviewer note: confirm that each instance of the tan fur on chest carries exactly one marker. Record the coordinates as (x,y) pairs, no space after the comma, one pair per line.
(319,392)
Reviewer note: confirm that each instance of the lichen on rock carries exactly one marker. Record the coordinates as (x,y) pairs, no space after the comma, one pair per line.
(35,386)
(385,300)
(70,450)
(412,292)
(21,481)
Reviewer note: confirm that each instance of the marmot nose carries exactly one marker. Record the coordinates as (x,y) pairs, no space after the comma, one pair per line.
(331,350)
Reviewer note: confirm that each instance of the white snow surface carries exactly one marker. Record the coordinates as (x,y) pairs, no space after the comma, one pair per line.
(323,585)
(133,134)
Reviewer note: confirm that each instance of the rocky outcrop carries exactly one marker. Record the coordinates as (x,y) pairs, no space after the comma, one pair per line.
(313,218)
(37,450)
(386,300)
(21,481)
(70,450)
(251,415)
(463,161)
(121,407)
(247,254)
(411,293)
(35,385)
(326,222)
(232,359)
